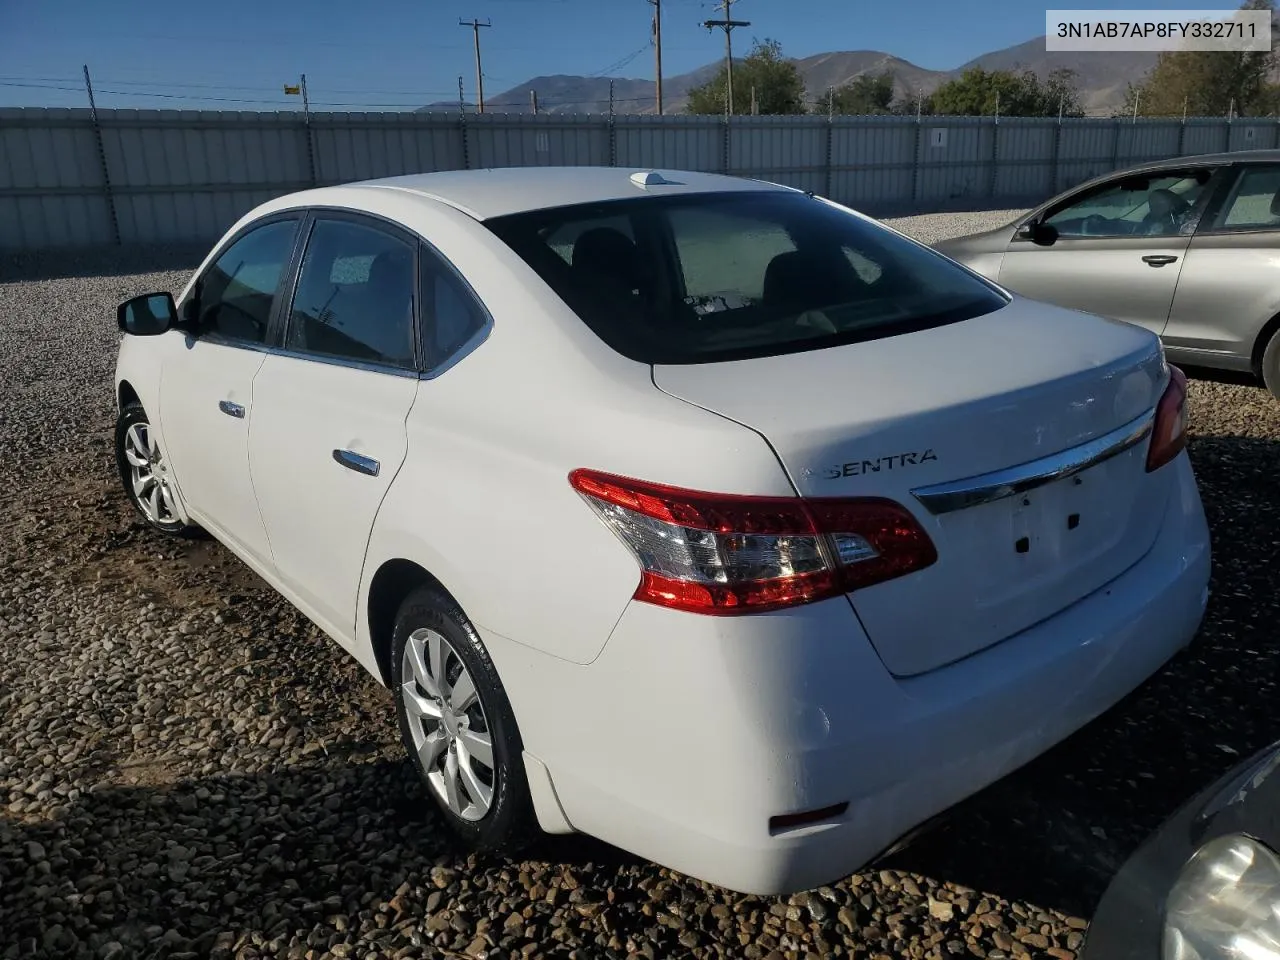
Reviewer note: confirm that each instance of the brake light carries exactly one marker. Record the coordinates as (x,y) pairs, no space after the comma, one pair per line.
(726,554)
(1169,431)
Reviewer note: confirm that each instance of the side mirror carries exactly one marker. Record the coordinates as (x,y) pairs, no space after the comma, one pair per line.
(1041,234)
(147,315)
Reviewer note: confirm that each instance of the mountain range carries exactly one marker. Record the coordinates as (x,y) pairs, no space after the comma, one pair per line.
(1102,79)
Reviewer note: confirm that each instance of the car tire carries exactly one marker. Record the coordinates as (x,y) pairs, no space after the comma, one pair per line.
(458,726)
(144,473)
(1271,365)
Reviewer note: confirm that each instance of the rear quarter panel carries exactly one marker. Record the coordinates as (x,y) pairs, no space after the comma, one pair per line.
(483,501)
(1228,289)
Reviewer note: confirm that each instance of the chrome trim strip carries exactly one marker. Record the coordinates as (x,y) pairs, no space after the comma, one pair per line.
(468,347)
(387,368)
(955,495)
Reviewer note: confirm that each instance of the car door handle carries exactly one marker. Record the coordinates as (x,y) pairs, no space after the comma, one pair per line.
(1158,259)
(231,409)
(354,461)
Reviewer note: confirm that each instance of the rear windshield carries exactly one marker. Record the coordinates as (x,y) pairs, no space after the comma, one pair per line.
(727,276)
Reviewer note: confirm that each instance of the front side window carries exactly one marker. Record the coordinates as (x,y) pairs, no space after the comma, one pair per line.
(234,297)
(722,276)
(355,296)
(1155,205)
(1254,203)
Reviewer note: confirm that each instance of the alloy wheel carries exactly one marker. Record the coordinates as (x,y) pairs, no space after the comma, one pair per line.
(149,475)
(450,731)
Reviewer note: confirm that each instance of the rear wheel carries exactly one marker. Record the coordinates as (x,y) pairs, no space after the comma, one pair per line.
(1271,365)
(144,472)
(458,726)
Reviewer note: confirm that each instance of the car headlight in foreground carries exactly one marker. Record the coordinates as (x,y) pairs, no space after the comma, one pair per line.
(1225,904)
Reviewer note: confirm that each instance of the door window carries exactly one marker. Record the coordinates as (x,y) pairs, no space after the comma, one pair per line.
(235,295)
(1159,205)
(451,315)
(1255,201)
(355,296)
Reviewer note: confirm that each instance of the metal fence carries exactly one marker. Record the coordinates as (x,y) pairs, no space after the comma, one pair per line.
(70,177)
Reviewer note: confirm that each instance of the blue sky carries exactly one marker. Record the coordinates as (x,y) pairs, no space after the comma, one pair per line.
(376,54)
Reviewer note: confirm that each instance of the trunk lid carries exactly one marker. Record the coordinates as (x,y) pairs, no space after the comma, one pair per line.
(888,417)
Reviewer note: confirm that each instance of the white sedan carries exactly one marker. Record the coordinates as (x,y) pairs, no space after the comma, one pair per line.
(698,514)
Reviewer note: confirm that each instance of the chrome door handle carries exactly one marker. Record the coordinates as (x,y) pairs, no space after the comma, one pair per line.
(354,461)
(231,409)
(1158,259)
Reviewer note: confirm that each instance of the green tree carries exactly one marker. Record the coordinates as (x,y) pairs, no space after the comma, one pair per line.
(778,86)
(864,95)
(1208,83)
(1060,94)
(978,92)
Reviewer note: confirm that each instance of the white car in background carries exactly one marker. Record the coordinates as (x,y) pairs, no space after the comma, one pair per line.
(699,514)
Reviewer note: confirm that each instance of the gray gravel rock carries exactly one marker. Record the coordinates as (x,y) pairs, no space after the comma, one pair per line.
(189,769)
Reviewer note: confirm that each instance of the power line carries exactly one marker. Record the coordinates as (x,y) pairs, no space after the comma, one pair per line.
(619,64)
(475,26)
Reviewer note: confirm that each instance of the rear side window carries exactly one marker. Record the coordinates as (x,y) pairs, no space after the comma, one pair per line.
(451,315)
(1255,201)
(711,277)
(355,296)
(235,295)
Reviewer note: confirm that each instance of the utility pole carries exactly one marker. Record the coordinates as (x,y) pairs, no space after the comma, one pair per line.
(533,99)
(102,158)
(475,26)
(657,47)
(88,85)
(727,25)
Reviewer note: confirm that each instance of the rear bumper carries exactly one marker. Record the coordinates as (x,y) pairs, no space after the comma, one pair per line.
(688,733)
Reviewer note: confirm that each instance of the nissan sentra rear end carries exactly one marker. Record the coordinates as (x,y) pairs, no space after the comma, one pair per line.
(995,533)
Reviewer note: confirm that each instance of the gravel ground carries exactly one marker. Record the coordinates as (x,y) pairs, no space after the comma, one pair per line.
(187,768)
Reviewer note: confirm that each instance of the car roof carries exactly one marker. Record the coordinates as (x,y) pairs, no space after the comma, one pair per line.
(485,194)
(1239,156)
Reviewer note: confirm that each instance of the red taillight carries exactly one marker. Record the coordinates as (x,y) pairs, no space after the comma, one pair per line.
(1169,432)
(722,553)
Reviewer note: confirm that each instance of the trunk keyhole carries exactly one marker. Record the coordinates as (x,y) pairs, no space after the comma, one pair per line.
(1023,544)
(1073,521)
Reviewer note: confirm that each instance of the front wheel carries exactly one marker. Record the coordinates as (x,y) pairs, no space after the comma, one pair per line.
(144,472)
(458,726)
